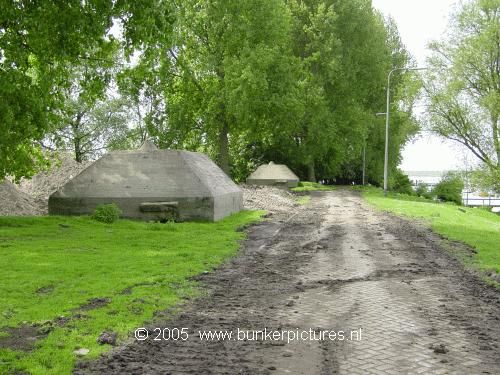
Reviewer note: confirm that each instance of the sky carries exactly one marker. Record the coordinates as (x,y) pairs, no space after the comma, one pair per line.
(419,22)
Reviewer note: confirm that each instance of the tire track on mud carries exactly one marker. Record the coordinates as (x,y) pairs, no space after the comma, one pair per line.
(334,265)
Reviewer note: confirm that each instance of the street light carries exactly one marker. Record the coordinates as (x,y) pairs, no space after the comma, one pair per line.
(387,115)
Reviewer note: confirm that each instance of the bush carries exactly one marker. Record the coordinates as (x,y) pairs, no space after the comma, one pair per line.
(107,213)
(401,183)
(449,189)
(423,191)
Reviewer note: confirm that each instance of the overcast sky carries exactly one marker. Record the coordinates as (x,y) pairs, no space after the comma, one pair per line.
(419,22)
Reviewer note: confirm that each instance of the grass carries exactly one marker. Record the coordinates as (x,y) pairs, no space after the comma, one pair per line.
(52,266)
(303,200)
(312,186)
(477,228)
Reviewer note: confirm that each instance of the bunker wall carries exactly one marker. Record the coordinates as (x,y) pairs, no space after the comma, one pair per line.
(188,208)
(227,204)
(275,183)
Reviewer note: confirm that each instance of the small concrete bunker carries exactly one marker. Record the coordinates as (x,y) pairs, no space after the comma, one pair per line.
(151,184)
(271,174)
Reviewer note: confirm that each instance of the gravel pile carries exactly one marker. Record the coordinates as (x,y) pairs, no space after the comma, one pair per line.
(31,196)
(45,183)
(268,198)
(14,202)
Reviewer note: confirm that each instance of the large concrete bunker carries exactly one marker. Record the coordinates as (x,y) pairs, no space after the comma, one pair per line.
(151,184)
(271,174)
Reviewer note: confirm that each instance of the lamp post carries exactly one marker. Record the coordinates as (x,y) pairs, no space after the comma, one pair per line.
(387,115)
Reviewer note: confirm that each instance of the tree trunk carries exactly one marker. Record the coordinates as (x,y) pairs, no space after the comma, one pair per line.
(311,175)
(496,140)
(223,156)
(77,137)
(77,145)
(78,150)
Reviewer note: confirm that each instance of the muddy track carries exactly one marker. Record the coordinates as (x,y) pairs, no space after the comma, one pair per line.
(333,265)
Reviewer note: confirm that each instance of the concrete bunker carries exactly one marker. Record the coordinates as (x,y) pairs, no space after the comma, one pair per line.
(151,184)
(278,175)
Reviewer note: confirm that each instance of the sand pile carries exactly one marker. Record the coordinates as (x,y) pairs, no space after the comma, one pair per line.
(268,198)
(43,184)
(31,196)
(14,202)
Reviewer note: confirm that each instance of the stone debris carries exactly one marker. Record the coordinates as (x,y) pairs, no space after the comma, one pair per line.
(439,348)
(274,200)
(108,338)
(14,202)
(82,352)
(30,196)
(43,184)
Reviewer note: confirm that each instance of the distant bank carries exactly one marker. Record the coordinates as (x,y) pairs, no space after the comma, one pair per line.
(470,198)
(425,177)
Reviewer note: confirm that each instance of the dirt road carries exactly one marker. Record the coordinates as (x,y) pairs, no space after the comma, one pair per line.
(334,265)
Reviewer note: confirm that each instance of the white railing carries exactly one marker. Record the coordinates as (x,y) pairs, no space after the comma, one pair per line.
(484,202)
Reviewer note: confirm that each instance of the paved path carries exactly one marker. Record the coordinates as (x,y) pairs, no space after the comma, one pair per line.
(333,265)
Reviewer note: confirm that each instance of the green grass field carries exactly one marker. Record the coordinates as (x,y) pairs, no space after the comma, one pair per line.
(303,200)
(52,267)
(312,186)
(476,227)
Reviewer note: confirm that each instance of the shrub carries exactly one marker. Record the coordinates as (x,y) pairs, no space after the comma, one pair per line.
(449,189)
(421,189)
(401,183)
(107,213)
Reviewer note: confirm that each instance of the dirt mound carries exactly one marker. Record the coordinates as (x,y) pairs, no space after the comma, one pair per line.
(43,184)
(314,273)
(268,198)
(14,202)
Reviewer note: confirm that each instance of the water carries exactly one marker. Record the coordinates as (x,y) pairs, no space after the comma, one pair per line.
(470,198)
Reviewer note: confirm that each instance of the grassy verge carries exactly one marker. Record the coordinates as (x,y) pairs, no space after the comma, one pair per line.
(477,228)
(303,200)
(66,280)
(312,186)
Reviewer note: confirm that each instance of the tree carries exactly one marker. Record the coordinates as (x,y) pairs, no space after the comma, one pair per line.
(91,129)
(336,43)
(405,87)
(400,183)
(449,189)
(463,86)
(38,42)
(316,49)
(224,73)
(89,118)
(41,42)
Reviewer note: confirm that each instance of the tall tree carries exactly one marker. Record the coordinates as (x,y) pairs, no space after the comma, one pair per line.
(225,72)
(38,42)
(371,47)
(41,42)
(317,50)
(345,50)
(463,85)
(89,130)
